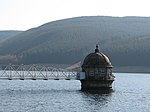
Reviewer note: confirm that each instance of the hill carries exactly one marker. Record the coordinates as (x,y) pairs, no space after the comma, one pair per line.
(126,40)
(4,35)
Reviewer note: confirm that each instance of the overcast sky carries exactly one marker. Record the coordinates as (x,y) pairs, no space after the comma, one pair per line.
(26,14)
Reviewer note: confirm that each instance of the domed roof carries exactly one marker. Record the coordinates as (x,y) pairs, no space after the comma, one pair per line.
(96,59)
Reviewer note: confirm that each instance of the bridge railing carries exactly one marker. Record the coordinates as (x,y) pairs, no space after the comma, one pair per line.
(35,72)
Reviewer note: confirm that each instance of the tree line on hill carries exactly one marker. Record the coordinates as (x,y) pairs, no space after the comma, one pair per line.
(124,39)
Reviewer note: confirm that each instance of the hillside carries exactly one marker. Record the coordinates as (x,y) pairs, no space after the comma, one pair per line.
(126,40)
(4,35)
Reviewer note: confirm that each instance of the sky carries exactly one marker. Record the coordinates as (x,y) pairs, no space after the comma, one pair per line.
(26,14)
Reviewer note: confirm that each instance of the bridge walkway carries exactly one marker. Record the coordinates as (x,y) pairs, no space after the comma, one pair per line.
(35,72)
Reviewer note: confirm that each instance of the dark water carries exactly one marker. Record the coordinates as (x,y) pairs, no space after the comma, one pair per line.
(131,94)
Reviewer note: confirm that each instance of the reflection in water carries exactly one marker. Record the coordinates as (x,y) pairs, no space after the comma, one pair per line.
(96,100)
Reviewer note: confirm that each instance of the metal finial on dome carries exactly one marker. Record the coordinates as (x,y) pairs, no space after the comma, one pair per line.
(97,46)
(96,50)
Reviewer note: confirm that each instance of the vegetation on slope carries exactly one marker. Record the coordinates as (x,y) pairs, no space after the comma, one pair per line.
(124,39)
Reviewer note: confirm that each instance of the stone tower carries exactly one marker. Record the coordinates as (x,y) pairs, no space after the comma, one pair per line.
(98,72)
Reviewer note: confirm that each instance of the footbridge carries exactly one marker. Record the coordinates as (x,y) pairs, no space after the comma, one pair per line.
(37,72)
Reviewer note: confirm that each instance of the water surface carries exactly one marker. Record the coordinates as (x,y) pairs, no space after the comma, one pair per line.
(131,94)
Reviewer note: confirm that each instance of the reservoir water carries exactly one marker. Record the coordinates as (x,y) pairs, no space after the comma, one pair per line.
(131,93)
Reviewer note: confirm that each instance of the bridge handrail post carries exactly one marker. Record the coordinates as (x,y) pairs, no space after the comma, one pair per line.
(22,72)
(10,71)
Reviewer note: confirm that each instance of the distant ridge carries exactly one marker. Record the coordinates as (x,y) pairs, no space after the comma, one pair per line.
(4,35)
(126,40)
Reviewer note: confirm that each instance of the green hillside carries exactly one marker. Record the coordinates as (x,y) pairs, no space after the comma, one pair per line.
(126,40)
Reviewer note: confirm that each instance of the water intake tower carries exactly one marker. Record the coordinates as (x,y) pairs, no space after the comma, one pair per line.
(98,72)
